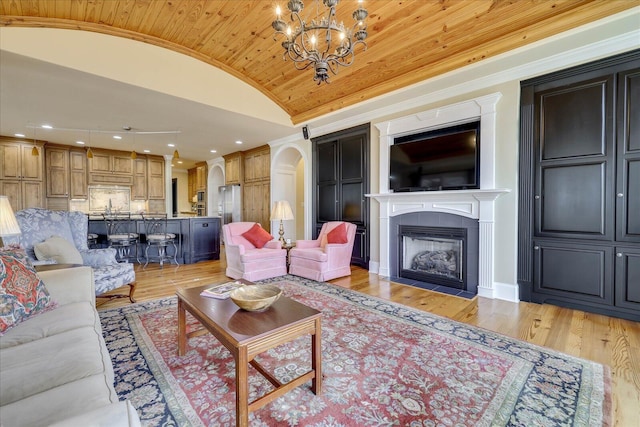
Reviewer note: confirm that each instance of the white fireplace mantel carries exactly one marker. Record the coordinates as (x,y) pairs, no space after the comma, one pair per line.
(476,204)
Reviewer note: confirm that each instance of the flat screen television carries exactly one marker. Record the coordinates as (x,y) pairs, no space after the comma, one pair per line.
(441,159)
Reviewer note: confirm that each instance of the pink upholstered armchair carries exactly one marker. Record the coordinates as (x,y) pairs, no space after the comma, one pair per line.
(327,257)
(252,254)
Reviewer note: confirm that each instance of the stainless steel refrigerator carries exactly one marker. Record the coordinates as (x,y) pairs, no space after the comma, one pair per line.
(230,203)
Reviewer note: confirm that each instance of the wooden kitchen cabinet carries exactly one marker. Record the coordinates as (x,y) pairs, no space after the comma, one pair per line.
(139,189)
(148,178)
(57,171)
(18,162)
(23,194)
(256,200)
(21,173)
(111,167)
(65,173)
(234,168)
(192,183)
(201,176)
(257,164)
(78,184)
(155,178)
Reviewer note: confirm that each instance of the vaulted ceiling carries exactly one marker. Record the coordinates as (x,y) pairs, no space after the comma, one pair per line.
(408,41)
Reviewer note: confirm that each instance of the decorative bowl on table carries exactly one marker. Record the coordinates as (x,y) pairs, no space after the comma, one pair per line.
(255,297)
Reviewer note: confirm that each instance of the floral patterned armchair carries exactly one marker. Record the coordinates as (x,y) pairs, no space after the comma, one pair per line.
(41,225)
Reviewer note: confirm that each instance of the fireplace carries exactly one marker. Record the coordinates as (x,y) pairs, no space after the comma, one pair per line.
(473,209)
(435,255)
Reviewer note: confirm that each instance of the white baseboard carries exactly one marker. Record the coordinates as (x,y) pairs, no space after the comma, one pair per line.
(503,291)
(506,291)
(374,267)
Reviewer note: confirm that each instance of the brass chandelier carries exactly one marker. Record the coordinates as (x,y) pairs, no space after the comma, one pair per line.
(321,43)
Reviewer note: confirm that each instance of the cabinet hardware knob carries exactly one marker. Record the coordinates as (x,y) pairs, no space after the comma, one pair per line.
(620,195)
(619,254)
(536,247)
(536,197)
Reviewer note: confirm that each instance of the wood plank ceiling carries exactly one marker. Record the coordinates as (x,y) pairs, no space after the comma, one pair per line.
(409,41)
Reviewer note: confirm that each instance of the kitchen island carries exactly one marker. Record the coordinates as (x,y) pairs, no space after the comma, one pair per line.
(197,238)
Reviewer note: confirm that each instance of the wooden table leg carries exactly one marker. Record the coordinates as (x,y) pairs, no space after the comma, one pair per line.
(242,388)
(316,357)
(182,329)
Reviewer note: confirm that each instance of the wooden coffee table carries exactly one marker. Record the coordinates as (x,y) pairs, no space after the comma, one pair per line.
(247,334)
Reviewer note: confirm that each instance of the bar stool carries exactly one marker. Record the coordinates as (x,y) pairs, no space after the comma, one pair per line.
(155,226)
(92,240)
(122,236)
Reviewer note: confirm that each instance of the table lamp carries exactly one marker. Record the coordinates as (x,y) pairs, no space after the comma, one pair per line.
(281,211)
(8,224)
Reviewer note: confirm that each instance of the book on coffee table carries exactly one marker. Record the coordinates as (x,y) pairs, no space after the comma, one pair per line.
(221,291)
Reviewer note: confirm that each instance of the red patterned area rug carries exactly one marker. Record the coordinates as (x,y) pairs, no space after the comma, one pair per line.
(383,364)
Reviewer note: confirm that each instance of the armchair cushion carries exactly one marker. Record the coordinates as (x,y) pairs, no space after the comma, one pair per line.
(338,234)
(99,257)
(257,236)
(22,293)
(58,249)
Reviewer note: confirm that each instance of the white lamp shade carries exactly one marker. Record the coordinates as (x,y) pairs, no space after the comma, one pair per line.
(281,211)
(8,224)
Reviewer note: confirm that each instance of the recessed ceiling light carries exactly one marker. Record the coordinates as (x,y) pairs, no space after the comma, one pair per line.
(171,164)
(214,151)
(146,151)
(171,145)
(47,127)
(238,142)
(117,137)
(19,135)
(80,142)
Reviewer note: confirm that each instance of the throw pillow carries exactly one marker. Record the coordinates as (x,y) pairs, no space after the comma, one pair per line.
(59,249)
(257,236)
(338,234)
(22,293)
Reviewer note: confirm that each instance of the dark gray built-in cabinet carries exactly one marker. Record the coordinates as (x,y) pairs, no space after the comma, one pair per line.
(341,179)
(579,198)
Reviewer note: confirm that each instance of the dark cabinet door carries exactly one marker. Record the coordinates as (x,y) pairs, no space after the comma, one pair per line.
(628,185)
(327,203)
(579,271)
(341,180)
(204,241)
(580,169)
(628,278)
(574,160)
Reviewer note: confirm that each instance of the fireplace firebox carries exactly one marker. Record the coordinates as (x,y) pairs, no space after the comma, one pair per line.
(435,255)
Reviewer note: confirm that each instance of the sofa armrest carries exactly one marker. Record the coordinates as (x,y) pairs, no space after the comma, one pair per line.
(273,244)
(119,414)
(99,257)
(67,285)
(306,244)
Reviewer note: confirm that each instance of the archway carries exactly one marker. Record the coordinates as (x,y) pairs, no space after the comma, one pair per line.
(288,182)
(215,179)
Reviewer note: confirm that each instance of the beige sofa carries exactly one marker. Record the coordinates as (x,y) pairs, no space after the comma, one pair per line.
(55,368)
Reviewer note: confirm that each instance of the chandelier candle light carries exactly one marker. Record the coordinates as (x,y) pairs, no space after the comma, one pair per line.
(323,43)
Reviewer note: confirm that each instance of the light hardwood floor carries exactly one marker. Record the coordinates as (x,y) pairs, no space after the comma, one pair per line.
(607,340)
